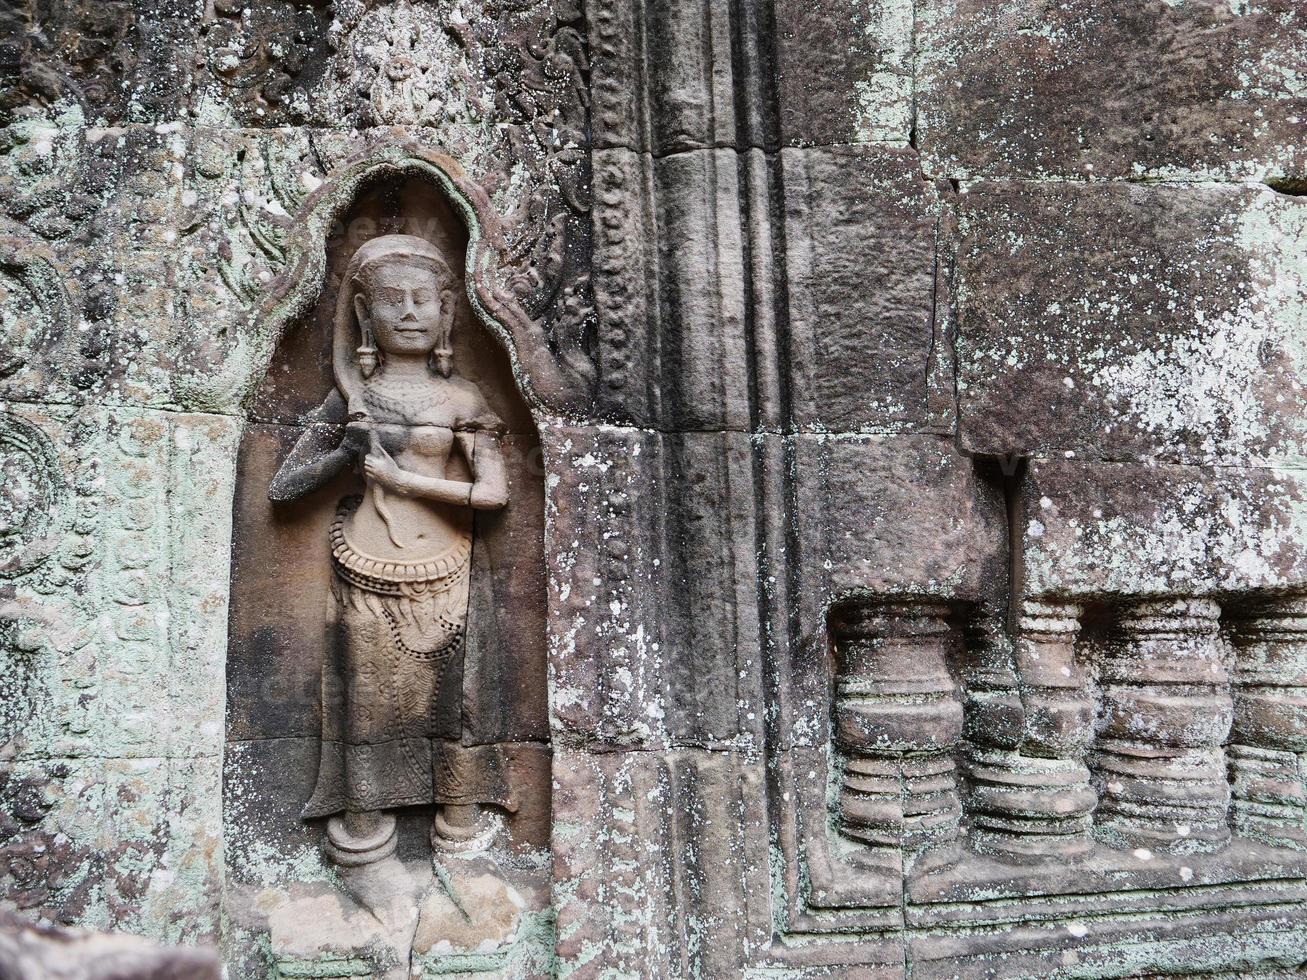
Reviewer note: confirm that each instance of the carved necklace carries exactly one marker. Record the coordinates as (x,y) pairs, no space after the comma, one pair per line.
(403,399)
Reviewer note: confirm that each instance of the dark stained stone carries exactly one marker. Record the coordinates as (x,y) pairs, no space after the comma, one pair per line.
(844,71)
(1111,90)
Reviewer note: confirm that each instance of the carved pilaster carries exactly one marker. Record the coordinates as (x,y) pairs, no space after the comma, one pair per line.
(898,719)
(1031,795)
(1166,712)
(1268,746)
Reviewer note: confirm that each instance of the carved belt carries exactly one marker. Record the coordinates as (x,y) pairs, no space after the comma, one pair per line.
(390,577)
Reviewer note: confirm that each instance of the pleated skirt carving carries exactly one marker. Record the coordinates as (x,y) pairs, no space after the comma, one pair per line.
(392,687)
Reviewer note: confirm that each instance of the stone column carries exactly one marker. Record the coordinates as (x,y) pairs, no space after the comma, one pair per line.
(1029,794)
(1159,762)
(898,720)
(1268,747)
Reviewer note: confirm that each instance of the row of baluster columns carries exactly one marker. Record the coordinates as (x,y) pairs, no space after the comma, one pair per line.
(1196,727)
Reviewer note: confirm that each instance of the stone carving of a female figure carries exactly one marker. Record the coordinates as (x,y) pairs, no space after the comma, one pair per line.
(428,447)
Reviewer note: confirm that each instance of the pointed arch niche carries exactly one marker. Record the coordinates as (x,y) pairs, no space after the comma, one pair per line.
(281,566)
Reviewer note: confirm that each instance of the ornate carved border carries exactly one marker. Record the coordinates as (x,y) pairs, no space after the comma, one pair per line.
(31,268)
(549,384)
(25,548)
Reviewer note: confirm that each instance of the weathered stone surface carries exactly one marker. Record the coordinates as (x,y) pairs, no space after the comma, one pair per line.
(890,515)
(283,888)
(651,850)
(865,351)
(1131,322)
(638,519)
(1115,90)
(127,587)
(119,607)
(164,240)
(1137,530)
(672,331)
(1258,941)
(31,952)
(122,61)
(131,844)
(844,71)
(473,911)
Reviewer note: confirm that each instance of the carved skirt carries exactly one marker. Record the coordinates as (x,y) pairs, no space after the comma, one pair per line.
(392,686)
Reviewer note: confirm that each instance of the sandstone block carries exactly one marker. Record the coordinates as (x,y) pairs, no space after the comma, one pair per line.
(844,71)
(866,352)
(1131,322)
(638,519)
(1111,90)
(886,515)
(1124,529)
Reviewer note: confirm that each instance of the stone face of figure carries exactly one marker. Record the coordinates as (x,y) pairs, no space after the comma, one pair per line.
(428,448)
(402,305)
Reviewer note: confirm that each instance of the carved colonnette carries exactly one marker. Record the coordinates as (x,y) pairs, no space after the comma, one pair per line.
(1028,785)
(1159,759)
(1046,740)
(898,720)
(1268,744)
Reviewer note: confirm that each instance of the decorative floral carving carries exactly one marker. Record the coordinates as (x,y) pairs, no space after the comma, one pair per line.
(33,308)
(30,489)
(76,58)
(261,50)
(113,58)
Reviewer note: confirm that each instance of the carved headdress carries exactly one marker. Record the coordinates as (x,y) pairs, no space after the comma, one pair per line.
(354,354)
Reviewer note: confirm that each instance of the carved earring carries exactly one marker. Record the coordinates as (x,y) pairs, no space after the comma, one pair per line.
(367,355)
(442,358)
(367,351)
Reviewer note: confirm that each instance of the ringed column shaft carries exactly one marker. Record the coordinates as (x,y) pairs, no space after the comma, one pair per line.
(898,721)
(1030,794)
(1268,747)
(1159,760)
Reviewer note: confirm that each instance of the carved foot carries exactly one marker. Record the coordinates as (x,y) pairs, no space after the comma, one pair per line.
(355,839)
(463,829)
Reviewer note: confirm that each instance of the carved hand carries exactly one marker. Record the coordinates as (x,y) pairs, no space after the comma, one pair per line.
(381,468)
(357,436)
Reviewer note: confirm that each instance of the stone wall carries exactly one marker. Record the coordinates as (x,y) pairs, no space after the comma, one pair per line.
(920,392)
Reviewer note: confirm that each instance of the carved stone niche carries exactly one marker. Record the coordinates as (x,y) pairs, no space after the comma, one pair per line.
(387,665)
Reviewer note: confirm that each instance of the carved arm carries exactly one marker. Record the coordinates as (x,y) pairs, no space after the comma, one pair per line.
(317,457)
(487,491)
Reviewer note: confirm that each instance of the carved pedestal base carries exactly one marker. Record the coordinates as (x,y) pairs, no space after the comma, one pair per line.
(463,829)
(1270,795)
(364,843)
(1028,785)
(912,803)
(1027,806)
(1268,750)
(1164,801)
